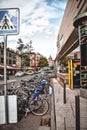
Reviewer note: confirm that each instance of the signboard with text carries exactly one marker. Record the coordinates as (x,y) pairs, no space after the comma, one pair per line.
(9,21)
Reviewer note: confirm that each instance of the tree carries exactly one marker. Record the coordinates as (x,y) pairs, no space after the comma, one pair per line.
(29,47)
(20,47)
(43,62)
(25,60)
(64,64)
(64,61)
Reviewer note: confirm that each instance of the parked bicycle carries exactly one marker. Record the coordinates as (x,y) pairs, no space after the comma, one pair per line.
(32,95)
(34,103)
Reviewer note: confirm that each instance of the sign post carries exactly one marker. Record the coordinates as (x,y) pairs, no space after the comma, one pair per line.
(9,25)
(5,68)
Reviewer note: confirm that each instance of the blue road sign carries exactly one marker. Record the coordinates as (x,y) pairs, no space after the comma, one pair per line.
(9,21)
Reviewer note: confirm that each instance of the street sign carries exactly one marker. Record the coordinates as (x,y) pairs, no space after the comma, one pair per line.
(9,21)
(9,25)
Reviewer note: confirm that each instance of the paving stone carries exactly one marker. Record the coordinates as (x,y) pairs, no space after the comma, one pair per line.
(65,113)
(45,120)
(83,123)
(44,128)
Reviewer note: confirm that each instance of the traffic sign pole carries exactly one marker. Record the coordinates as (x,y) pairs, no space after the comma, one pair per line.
(5,68)
(9,23)
(5,78)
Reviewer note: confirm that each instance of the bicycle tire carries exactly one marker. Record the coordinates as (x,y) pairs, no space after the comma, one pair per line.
(42,107)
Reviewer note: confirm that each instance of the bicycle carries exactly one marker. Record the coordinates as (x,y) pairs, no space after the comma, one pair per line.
(27,103)
(39,107)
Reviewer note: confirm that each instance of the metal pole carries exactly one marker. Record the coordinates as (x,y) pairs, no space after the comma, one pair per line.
(77,111)
(79,35)
(80,49)
(64,93)
(5,68)
(5,79)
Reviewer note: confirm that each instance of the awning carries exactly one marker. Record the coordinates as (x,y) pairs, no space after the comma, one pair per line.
(1,67)
(9,67)
(16,68)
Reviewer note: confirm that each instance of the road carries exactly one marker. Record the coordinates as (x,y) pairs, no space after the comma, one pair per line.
(17,83)
(31,122)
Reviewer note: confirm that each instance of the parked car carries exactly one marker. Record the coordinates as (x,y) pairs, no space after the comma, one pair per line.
(30,72)
(51,73)
(19,74)
(1,76)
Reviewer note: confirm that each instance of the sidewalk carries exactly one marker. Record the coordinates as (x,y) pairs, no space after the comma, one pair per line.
(65,113)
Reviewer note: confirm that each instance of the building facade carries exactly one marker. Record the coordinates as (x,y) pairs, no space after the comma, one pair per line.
(67,39)
(34,59)
(12,58)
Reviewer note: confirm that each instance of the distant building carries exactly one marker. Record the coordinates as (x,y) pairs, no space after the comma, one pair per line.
(12,59)
(50,61)
(35,59)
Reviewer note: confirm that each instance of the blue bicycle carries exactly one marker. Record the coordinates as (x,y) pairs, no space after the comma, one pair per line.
(39,104)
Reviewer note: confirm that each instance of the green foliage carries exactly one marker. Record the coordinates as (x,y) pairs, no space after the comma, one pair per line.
(43,62)
(64,61)
(25,60)
(21,49)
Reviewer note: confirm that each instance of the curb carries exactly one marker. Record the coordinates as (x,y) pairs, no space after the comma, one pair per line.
(53,114)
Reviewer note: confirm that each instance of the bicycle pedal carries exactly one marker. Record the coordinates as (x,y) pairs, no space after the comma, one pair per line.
(27,110)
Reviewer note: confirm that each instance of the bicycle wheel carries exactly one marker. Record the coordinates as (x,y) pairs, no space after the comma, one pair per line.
(39,107)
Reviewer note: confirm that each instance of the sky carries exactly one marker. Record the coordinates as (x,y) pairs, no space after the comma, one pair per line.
(39,21)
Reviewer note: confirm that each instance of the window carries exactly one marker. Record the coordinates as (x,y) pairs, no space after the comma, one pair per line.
(2,52)
(9,54)
(2,60)
(10,62)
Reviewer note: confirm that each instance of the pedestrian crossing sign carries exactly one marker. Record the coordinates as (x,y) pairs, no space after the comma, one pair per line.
(9,21)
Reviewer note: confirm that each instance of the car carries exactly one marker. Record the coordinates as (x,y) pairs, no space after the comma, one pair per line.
(19,74)
(51,73)
(1,76)
(30,72)
(42,72)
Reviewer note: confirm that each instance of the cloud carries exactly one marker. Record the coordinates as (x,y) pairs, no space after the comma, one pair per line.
(39,21)
(39,17)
